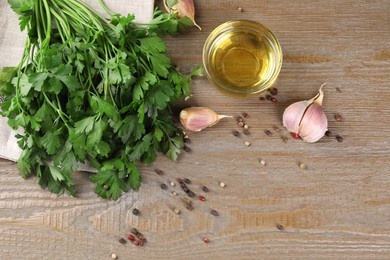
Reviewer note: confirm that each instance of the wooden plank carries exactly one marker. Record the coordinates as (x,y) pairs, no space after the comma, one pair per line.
(339,207)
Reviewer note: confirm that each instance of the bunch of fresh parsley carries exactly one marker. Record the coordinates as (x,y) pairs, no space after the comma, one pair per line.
(92,89)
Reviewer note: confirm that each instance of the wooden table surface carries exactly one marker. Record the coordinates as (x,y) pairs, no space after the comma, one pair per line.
(338,207)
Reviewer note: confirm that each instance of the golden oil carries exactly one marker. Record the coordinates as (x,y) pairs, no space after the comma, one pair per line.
(242,58)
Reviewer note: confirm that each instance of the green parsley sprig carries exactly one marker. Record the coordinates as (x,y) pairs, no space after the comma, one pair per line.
(91,89)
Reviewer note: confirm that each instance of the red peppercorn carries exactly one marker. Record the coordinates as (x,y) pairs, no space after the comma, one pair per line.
(136,242)
(130,237)
(274,100)
(202,198)
(141,243)
(245,115)
(294,135)
(206,240)
(179,180)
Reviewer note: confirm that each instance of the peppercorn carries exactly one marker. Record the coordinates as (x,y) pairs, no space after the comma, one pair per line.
(246,132)
(134,231)
(130,237)
(205,189)
(135,212)
(274,100)
(106,187)
(268,132)
(338,117)
(163,186)
(187,140)
(113,256)
(245,115)
(262,162)
(280,227)
(236,133)
(122,241)
(339,138)
(284,139)
(187,149)
(222,184)
(172,184)
(295,135)
(206,240)
(136,242)
(328,133)
(159,171)
(302,166)
(191,194)
(179,180)
(262,98)
(188,181)
(247,143)
(246,126)
(276,129)
(202,198)
(214,212)
(176,210)
(274,91)
(268,97)
(189,207)
(174,193)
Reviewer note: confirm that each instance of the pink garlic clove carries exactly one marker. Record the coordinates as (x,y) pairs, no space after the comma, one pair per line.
(314,124)
(293,115)
(183,8)
(307,118)
(199,118)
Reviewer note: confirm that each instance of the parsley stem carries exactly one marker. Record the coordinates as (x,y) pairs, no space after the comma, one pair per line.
(105,7)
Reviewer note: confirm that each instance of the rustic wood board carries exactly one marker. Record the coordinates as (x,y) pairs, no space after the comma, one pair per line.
(339,207)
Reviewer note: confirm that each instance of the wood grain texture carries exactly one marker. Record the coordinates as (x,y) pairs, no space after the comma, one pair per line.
(339,207)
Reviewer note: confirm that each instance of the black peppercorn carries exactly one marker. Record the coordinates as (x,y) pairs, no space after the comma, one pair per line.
(135,212)
(205,189)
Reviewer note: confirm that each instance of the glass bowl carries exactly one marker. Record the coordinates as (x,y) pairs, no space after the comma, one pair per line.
(242,58)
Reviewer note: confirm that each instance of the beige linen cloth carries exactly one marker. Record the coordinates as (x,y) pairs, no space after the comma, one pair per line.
(11,49)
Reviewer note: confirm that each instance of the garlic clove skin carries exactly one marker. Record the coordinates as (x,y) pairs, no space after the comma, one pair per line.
(314,124)
(293,114)
(198,118)
(183,8)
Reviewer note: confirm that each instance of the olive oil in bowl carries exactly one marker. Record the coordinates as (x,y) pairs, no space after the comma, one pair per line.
(242,58)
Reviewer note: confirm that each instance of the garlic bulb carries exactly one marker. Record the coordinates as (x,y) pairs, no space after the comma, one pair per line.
(307,118)
(199,118)
(183,8)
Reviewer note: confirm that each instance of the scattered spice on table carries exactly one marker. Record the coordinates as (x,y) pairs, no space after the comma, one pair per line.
(163,186)
(188,181)
(114,256)
(339,138)
(247,143)
(177,211)
(205,189)
(222,184)
(130,237)
(240,9)
(279,226)
(262,162)
(284,139)
(172,184)
(202,198)
(246,132)
(328,133)
(122,241)
(159,171)
(214,213)
(338,117)
(274,100)
(236,133)
(268,132)
(136,212)
(276,129)
(187,149)
(262,98)
(206,240)
(106,187)
(338,90)
(274,91)
(302,166)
